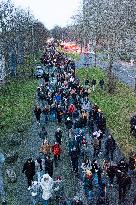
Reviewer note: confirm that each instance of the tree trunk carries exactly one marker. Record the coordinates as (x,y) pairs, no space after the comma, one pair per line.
(111,83)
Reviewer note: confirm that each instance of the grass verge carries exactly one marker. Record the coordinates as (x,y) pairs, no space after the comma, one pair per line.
(72,55)
(16,104)
(117,108)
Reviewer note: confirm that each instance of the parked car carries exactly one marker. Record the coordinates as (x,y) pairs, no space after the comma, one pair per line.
(39,72)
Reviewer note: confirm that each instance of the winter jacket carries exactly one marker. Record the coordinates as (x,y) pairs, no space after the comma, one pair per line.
(88,182)
(58,136)
(45,148)
(29,168)
(123,166)
(58,188)
(72,144)
(71,108)
(74,155)
(96,143)
(49,166)
(111,171)
(110,144)
(58,98)
(69,124)
(37,112)
(56,150)
(46,187)
(86,106)
(124,180)
(132,163)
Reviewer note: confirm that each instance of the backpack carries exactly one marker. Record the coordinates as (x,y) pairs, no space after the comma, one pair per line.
(56,150)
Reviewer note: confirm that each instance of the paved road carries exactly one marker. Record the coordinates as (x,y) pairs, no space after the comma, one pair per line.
(124,72)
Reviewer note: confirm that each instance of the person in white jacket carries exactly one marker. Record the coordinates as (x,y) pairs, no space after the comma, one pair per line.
(47,187)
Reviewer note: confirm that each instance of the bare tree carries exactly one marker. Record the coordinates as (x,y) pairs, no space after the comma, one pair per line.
(21,35)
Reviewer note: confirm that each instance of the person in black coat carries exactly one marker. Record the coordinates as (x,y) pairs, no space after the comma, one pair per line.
(37,112)
(59,114)
(43,133)
(68,124)
(100,121)
(132,164)
(74,159)
(48,166)
(101,84)
(111,172)
(124,182)
(29,170)
(123,166)
(110,147)
(58,135)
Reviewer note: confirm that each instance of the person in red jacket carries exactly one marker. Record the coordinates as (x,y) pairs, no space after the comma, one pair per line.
(56,150)
(71,109)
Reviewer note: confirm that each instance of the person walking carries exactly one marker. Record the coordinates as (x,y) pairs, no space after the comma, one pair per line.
(45,148)
(47,188)
(74,159)
(56,150)
(124,182)
(34,192)
(93,84)
(58,135)
(59,114)
(29,170)
(101,84)
(111,172)
(88,186)
(96,146)
(46,111)
(39,167)
(37,112)
(43,133)
(48,166)
(110,147)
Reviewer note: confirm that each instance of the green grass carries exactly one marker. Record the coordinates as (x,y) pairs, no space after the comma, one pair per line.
(117,108)
(75,56)
(16,103)
(72,55)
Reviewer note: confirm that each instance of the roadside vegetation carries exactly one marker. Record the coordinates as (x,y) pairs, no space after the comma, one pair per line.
(73,55)
(117,107)
(16,102)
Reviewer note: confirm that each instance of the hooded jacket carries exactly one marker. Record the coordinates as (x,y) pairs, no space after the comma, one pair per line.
(47,187)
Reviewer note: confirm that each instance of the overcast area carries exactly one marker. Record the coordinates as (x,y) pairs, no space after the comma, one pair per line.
(51,12)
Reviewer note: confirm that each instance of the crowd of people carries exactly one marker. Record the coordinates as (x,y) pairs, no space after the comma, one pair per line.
(65,102)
